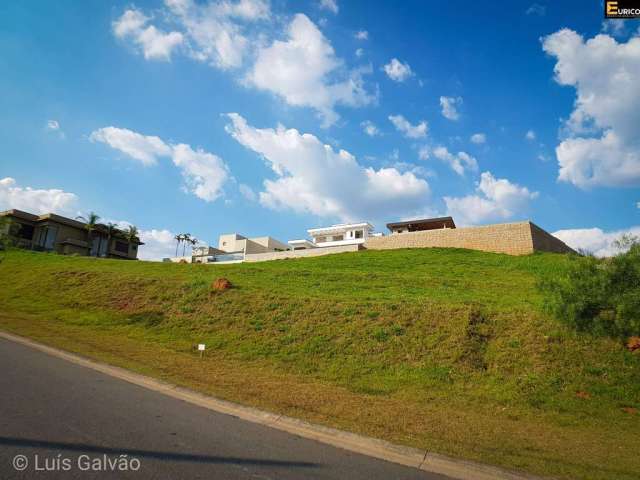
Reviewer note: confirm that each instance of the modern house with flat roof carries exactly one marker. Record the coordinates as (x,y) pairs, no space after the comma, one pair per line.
(55,233)
(421,225)
(232,248)
(233,243)
(335,236)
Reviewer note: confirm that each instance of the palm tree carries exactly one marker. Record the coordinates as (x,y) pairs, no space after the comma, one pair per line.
(111,230)
(187,238)
(91,225)
(194,242)
(131,234)
(178,238)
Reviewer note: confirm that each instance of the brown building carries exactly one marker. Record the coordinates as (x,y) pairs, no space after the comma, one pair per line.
(54,233)
(421,225)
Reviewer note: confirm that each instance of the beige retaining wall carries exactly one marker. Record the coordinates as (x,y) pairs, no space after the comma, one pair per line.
(545,242)
(312,252)
(520,238)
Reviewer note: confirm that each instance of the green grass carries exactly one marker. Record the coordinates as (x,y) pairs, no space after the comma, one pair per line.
(441,349)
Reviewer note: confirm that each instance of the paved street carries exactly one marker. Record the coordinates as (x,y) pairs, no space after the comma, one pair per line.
(68,419)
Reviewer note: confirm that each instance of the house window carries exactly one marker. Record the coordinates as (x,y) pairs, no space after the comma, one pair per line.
(321,239)
(122,247)
(338,238)
(359,233)
(22,230)
(52,233)
(95,246)
(46,237)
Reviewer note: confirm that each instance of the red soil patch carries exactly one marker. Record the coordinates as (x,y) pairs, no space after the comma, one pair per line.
(221,284)
(633,344)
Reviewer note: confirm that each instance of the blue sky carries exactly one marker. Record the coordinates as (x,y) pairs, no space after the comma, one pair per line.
(339,111)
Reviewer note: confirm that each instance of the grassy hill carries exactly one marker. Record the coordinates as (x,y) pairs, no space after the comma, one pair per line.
(441,349)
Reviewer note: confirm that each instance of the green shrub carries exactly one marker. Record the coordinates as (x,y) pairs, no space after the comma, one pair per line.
(601,296)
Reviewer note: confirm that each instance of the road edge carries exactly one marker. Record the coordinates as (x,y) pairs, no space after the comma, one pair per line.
(408,456)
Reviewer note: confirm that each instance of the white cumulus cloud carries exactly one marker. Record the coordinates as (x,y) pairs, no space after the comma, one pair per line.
(602,145)
(478,138)
(530,135)
(362,35)
(209,31)
(397,71)
(34,200)
(449,106)
(314,178)
(370,128)
(408,130)
(204,173)
(216,31)
(144,148)
(247,192)
(158,244)
(155,44)
(53,126)
(536,9)
(595,240)
(330,5)
(459,162)
(304,71)
(496,199)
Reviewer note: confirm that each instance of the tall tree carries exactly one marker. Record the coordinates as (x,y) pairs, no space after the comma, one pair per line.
(111,230)
(178,239)
(186,237)
(91,226)
(132,234)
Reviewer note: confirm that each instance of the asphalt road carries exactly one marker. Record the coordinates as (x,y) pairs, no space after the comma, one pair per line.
(68,421)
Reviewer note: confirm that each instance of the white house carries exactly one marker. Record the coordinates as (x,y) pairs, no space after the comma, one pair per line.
(335,235)
(234,243)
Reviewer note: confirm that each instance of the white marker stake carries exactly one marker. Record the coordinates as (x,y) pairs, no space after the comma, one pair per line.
(201,348)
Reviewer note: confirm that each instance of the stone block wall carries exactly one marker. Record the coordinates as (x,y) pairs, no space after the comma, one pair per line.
(545,242)
(510,238)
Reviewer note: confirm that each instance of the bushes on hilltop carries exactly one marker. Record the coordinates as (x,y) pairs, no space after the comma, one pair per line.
(601,296)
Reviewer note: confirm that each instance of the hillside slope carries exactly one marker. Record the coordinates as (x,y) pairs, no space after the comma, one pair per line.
(446,350)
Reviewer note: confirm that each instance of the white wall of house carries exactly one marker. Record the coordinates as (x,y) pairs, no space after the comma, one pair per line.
(342,234)
(231,242)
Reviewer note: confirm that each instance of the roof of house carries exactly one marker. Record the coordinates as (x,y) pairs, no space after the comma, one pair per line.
(19,214)
(267,241)
(338,228)
(429,223)
(303,241)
